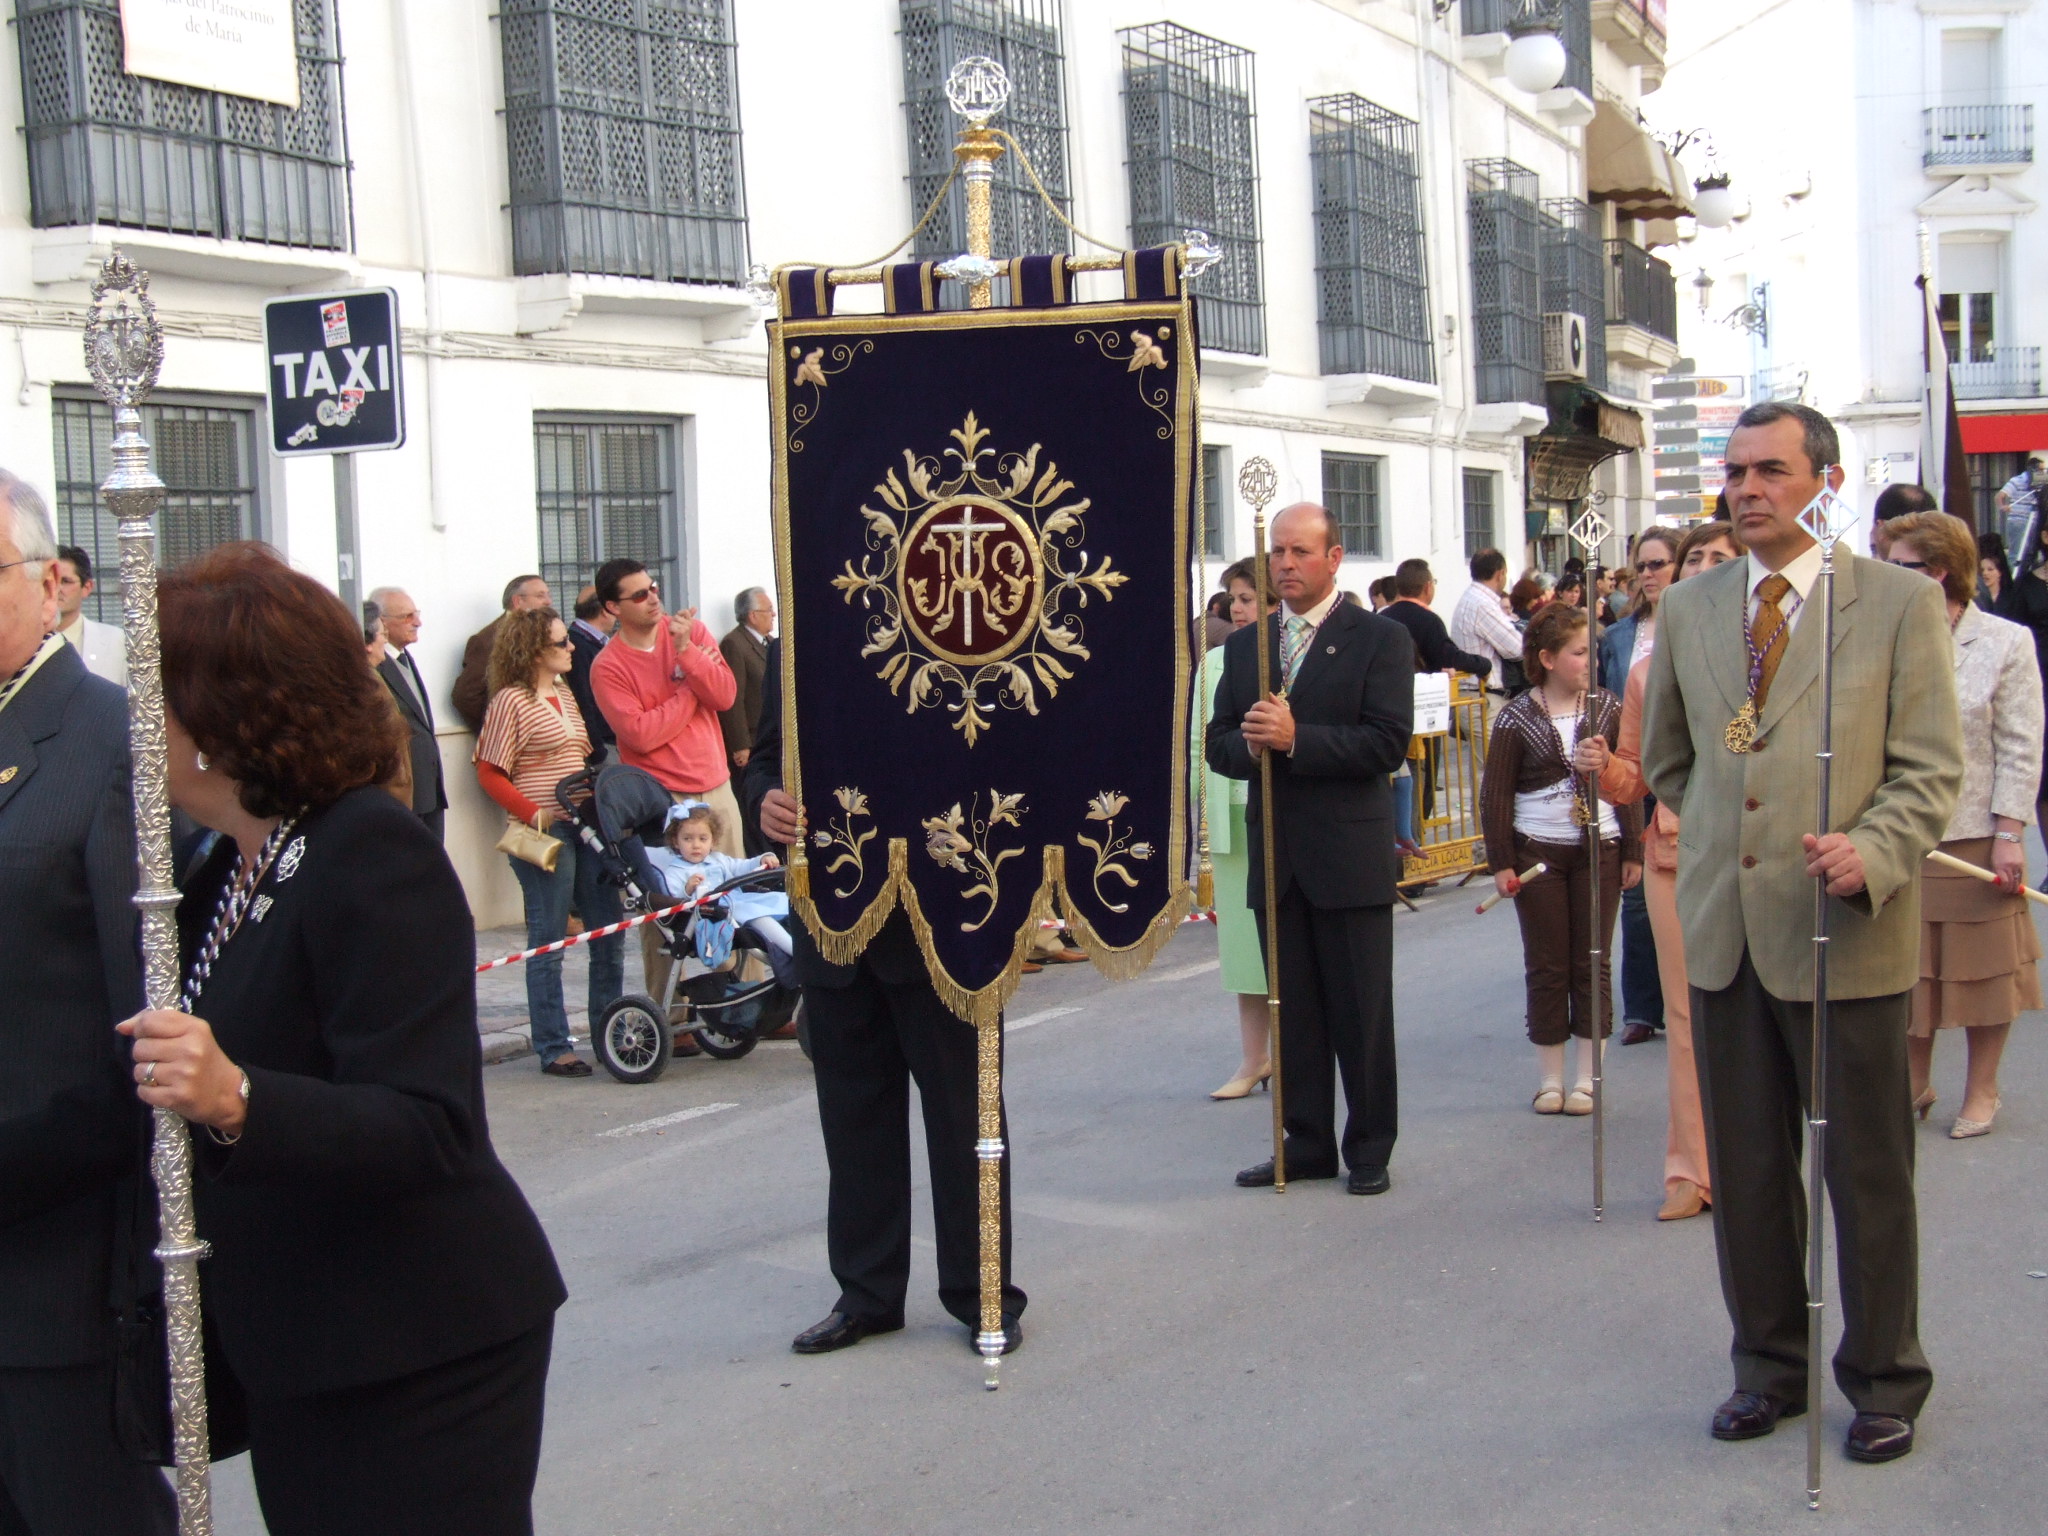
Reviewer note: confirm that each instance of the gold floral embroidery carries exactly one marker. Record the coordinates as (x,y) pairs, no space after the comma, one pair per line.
(969,597)
(1147,350)
(839,833)
(959,840)
(1113,847)
(811,370)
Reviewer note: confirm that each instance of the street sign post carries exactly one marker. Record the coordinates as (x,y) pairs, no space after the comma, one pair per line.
(336,386)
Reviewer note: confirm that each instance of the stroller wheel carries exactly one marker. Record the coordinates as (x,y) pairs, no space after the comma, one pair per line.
(632,1040)
(725,1041)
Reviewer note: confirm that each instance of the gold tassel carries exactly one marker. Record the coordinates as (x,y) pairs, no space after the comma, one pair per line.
(1205,886)
(798,879)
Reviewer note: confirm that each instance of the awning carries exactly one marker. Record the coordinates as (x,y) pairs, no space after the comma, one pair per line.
(2005,434)
(1628,168)
(1586,430)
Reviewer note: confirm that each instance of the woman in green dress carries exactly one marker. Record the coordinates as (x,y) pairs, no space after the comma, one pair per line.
(1237,932)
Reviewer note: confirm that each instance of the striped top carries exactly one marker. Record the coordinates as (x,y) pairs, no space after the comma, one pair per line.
(538,740)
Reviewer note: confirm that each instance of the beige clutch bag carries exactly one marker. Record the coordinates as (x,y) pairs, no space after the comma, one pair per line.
(527,842)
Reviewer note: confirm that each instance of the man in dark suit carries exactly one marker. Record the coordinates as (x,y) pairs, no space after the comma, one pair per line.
(745,648)
(589,632)
(1336,718)
(470,693)
(876,1026)
(401,675)
(71,1134)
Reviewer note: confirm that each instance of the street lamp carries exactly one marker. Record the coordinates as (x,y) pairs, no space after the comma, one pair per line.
(1535,57)
(1713,202)
(1703,285)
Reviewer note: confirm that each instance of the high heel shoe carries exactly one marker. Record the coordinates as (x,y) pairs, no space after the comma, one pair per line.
(1924,1103)
(1241,1087)
(1964,1129)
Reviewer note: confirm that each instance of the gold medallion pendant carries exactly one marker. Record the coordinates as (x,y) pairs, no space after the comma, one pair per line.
(1581,815)
(1741,733)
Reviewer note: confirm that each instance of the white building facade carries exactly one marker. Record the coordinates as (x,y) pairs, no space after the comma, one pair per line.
(1872,125)
(568,195)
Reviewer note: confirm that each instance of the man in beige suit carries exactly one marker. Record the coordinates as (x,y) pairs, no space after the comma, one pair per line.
(1732,713)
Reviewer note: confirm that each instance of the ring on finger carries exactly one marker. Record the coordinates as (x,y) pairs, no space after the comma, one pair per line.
(149,1075)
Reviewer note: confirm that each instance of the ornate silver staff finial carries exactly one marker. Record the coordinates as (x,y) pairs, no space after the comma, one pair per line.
(761,286)
(124,343)
(1590,528)
(1257,482)
(1202,253)
(1827,517)
(979,88)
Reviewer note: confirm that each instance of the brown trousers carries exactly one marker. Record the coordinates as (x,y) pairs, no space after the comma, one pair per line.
(1555,910)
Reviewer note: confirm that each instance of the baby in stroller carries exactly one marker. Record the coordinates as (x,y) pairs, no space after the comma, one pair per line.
(690,863)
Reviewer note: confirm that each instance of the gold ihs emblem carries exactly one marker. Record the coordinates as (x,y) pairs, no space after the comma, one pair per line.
(7,774)
(1741,733)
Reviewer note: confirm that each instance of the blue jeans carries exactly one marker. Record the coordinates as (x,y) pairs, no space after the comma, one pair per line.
(1642,990)
(547,919)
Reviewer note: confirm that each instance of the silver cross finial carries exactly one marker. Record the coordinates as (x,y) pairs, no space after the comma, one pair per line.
(1827,517)
(1257,483)
(1591,530)
(979,88)
(124,342)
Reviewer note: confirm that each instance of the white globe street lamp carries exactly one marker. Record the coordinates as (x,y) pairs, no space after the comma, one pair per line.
(1713,203)
(1535,61)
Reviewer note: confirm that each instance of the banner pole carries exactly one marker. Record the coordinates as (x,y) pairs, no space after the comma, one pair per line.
(124,351)
(1258,484)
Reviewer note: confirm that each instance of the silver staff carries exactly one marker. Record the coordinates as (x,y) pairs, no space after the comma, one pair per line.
(124,351)
(1258,483)
(1590,529)
(1827,518)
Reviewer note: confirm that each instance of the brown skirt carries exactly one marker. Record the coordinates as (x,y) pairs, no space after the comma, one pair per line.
(1977,948)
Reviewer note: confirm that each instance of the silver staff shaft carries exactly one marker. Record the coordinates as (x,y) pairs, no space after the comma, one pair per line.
(1596,951)
(1817,1097)
(124,352)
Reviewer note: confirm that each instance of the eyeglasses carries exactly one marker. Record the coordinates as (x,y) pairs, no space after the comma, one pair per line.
(1643,567)
(10,565)
(650,590)
(1910,565)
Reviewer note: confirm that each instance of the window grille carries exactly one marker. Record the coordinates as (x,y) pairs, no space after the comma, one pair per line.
(1507,281)
(1572,20)
(1351,492)
(1215,498)
(1189,116)
(607,489)
(1372,286)
(622,134)
(202,449)
(1024,36)
(1575,275)
(106,147)
(1482,497)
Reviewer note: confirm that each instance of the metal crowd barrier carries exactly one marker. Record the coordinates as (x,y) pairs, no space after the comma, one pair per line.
(1447,766)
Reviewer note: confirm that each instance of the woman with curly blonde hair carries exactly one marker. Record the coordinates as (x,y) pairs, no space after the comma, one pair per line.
(533,738)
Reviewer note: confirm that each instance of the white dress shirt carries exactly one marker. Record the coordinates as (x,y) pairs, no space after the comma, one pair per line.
(1802,571)
(1480,624)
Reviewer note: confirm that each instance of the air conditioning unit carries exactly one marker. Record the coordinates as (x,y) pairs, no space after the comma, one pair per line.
(1564,346)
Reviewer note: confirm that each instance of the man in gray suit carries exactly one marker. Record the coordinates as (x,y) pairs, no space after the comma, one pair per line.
(401,675)
(1732,722)
(71,1130)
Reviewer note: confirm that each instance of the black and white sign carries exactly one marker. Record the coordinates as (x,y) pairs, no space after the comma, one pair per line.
(334,372)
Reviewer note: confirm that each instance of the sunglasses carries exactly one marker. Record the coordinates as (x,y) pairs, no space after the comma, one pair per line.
(1910,565)
(559,645)
(1643,566)
(642,595)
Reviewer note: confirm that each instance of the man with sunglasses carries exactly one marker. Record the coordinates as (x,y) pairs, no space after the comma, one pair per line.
(662,684)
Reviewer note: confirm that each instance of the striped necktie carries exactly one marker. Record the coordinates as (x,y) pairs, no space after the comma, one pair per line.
(1299,632)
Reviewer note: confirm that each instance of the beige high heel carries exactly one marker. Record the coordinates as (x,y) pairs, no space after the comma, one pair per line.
(1964,1129)
(1241,1087)
(1924,1103)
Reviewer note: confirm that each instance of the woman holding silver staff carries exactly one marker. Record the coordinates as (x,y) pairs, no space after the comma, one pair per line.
(1532,811)
(1237,932)
(379,1287)
(1977,941)
(1688,1185)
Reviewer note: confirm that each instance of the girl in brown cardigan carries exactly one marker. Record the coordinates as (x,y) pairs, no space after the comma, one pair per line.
(1527,805)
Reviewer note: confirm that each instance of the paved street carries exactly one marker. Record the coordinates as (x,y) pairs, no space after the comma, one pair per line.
(1467,1354)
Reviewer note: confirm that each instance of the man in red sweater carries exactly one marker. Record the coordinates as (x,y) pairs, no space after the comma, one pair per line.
(661,684)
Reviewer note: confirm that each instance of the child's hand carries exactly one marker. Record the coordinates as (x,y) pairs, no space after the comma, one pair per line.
(1507,883)
(690,885)
(769,861)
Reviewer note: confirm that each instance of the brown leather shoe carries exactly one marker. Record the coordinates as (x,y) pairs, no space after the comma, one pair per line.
(1064,957)
(786,1031)
(1879,1437)
(1683,1200)
(1032,968)
(1638,1034)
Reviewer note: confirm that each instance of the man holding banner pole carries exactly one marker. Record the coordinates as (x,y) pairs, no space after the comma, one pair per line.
(1336,720)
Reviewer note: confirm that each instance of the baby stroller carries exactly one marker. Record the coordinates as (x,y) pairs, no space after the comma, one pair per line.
(615,809)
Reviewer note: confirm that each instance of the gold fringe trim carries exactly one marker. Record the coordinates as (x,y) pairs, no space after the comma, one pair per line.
(1128,963)
(843,946)
(982,1007)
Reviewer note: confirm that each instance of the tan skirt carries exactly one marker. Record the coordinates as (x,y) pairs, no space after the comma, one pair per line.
(1977,948)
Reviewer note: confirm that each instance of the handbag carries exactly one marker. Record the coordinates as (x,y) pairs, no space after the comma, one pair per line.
(525,841)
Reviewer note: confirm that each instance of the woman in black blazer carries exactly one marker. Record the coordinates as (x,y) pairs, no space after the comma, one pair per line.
(378,1285)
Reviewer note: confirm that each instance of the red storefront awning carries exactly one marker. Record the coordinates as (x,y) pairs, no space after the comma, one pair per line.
(2005,434)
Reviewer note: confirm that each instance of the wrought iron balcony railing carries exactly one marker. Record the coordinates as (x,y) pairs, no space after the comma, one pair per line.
(2009,373)
(1979,135)
(1641,290)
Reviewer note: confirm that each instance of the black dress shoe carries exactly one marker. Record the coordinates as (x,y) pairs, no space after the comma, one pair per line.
(1752,1415)
(567,1066)
(1260,1175)
(1372,1179)
(1013,1334)
(837,1331)
(1879,1437)
(1638,1034)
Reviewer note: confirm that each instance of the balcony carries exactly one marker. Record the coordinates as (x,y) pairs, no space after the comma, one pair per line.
(1642,308)
(2009,373)
(1977,138)
(1634,32)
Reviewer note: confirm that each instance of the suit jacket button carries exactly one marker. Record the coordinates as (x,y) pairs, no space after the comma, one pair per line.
(1749,861)
(1757,745)
(1750,805)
